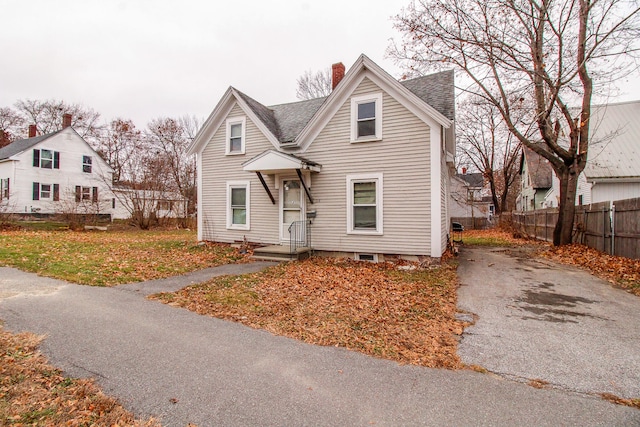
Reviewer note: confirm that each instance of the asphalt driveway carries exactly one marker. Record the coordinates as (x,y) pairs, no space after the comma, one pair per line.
(186,368)
(538,320)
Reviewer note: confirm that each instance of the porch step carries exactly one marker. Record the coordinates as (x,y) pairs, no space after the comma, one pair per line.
(280,253)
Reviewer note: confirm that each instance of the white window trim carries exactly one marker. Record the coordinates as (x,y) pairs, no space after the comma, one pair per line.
(351,179)
(377,98)
(50,191)
(247,186)
(234,121)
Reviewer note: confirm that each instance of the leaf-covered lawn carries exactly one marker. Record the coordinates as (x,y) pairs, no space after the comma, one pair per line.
(33,393)
(110,258)
(407,316)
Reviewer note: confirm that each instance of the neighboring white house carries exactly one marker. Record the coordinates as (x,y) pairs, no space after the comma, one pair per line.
(370,165)
(54,173)
(613,163)
(470,200)
(162,204)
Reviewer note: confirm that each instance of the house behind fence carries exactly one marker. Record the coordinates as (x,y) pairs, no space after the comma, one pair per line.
(610,227)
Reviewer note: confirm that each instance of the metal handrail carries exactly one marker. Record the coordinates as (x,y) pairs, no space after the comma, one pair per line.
(299,235)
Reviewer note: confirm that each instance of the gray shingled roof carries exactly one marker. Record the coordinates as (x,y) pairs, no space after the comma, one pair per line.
(436,90)
(286,121)
(21,145)
(472,179)
(540,170)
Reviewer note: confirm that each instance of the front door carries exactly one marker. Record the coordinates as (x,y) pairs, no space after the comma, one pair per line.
(291,209)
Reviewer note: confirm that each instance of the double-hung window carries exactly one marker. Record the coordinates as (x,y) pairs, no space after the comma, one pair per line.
(364,204)
(235,139)
(46,191)
(238,205)
(366,118)
(46,159)
(4,188)
(86,164)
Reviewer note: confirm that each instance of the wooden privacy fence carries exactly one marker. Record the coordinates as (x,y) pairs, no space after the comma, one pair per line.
(611,227)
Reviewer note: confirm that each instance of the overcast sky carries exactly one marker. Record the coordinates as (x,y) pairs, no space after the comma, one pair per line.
(144,59)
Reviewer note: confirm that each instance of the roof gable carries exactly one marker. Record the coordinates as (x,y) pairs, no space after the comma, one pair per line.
(296,124)
(539,168)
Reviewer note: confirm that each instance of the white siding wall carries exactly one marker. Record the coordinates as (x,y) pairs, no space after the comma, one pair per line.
(217,169)
(70,174)
(403,159)
(601,192)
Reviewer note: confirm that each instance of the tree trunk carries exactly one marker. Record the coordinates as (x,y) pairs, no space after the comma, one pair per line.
(563,232)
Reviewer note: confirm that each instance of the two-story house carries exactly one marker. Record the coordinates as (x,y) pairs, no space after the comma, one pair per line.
(56,173)
(369,166)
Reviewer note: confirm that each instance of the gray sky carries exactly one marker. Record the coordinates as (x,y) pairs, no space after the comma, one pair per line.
(143,59)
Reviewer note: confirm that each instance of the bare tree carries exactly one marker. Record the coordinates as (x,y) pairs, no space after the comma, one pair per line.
(170,139)
(485,141)
(533,60)
(314,85)
(47,116)
(121,145)
(10,126)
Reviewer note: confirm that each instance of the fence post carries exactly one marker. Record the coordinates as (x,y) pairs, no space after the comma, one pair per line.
(612,220)
(535,226)
(604,230)
(546,224)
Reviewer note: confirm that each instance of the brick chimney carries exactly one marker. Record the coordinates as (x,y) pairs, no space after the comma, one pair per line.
(66,120)
(464,171)
(33,130)
(337,73)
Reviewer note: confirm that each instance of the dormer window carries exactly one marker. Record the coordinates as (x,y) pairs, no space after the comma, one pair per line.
(366,118)
(235,140)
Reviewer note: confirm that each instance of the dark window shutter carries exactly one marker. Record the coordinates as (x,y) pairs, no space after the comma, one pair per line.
(8,188)
(95,194)
(36,191)
(36,158)
(78,194)
(56,192)
(113,203)
(56,160)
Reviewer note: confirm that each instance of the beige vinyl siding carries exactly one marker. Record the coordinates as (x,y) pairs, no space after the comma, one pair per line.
(444,207)
(402,156)
(217,169)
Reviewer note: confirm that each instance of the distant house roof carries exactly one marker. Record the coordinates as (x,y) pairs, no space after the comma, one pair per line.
(540,170)
(22,145)
(472,179)
(614,149)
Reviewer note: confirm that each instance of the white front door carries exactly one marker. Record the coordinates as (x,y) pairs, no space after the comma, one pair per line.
(291,207)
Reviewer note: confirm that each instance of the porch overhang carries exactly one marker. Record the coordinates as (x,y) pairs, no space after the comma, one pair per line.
(272,162)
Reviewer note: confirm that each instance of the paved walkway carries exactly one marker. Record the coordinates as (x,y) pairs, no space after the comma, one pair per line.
(537,320)
(186,368)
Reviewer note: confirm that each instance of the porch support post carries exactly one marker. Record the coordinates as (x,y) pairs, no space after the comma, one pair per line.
(264,184)
(306,190)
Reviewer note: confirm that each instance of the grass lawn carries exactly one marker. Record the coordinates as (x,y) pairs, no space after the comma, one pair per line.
(402,315)
(110,258)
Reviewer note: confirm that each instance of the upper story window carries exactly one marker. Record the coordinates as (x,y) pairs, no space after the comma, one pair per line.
(46,159)
(86,164)
(235,139)
(366,118)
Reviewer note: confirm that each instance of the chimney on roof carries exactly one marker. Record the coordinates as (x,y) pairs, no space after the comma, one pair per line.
(33,130)
(66,120)
(464,171)
(337,73)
